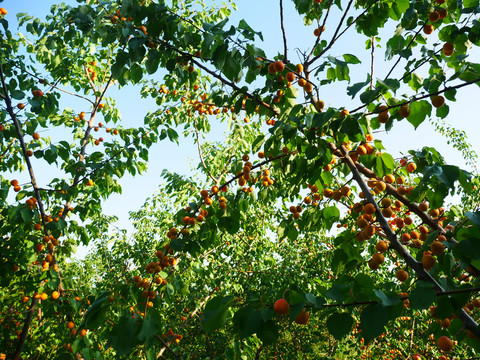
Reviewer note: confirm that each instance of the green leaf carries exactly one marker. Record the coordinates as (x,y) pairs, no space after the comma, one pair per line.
(470,3)
(372,321)
(387,300)
(153,60)
(419,110)
(311,152)
(150,327)
(474,217)
(123,336)
(422,296)
(257,143)
(216,312)
(352,59)
(339,324)
(95,315)
(268,332)
(355,88)
(247,321)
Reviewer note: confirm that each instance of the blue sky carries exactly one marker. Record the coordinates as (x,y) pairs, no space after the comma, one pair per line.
(265,17)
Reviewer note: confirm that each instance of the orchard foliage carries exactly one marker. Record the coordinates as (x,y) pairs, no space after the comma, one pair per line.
(298,236)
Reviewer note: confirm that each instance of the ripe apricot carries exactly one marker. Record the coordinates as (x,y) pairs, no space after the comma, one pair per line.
(428,29)
(308,87)
(373,265)
(70,325)
(444,343)
(404,111)
(37,93)
(319,104)
(346,191)
(328,193)
(299,68)
(402,275)
(370,149)
(368,231)
(303,317)
(423,229)
(380,186)
(279,66)
(386,202)
(389,178)
(357,208)
(83,332)
(302,82)
(383,115)
(445,323)
(3,11)
(290,76)
(143,29)
(428,261)
(361,150)
(43,296)
(442,13)
(433,16)
(438,101)
(378,258)
(369,208)
(434,213)
(388,212)
(281,306)
(406,237)
(447,49)
(411,167)
(399,222)
(381,246)
(437,247)
(55,295)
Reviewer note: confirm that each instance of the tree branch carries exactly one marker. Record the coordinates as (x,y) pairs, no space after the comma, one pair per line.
(200,153)
(395,244)
(283,32)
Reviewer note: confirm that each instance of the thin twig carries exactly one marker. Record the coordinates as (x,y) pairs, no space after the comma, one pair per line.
(283,32)
(201,154)
(372,67)
(317,40)
(399,56)
(166,346)
(335,37)
(54,86)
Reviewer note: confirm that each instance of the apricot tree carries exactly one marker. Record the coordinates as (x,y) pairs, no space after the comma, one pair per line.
(298,234)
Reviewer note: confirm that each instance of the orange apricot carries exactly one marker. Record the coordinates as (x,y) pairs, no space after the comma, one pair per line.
(437,247)
(402,275)
(411,167)
(404,111)
(433,16)
(428,29)
(302,318)
(428,261)
(381,246)
(369,208)
(281,306)
(444,343)
(447,50)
